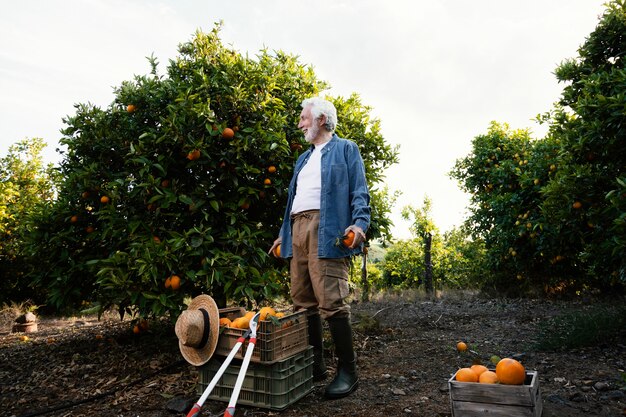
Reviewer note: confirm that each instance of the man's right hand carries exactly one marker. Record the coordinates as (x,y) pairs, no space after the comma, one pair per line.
(274,245)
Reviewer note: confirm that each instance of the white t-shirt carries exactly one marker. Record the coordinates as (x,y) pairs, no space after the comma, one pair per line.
(309,183)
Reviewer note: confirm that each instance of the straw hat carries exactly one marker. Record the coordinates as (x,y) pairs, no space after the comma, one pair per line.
(197,329)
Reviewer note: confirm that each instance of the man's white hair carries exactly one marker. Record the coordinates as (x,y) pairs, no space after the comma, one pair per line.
(319,107)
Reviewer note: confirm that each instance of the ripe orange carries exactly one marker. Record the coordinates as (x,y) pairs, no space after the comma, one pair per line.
(277,251)
(271,169)
(249,315)
(461,346)
(479,369)
(266,311)
(225,321)
(228,133)
(577,205)
(193,155)
(89,229)
(280,314)
(348,239)
(267,181)
(510,372)
(74,218)
(165,183)
(136,329)
(156,239)
(104,199)
(488,377)
(466,375)
(175,282)
(168,282)
(241,323)
(131,108)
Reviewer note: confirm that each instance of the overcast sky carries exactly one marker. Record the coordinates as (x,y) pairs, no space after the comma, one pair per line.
(435,73)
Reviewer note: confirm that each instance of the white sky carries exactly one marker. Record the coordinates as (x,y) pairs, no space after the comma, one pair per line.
(436,73)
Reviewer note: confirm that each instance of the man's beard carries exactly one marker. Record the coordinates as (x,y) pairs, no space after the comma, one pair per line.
(312,133)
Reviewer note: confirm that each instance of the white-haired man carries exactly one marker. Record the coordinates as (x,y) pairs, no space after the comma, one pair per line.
(328,197)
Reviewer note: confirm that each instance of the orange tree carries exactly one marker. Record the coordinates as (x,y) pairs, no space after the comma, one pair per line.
(551,211)
(585,200)
(504,175)
(186,174)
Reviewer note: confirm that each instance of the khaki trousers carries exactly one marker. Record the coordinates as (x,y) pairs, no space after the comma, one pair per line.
(316,284)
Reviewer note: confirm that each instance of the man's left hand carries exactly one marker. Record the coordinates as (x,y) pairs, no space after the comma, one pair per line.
(359,235)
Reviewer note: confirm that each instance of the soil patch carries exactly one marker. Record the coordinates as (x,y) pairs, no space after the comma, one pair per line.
(406,353)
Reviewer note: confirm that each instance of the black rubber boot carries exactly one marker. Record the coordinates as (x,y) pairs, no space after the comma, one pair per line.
(346,379)
(316,339)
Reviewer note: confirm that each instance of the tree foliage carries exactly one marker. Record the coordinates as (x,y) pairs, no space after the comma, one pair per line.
(551,211)
(27,186)
(186,173)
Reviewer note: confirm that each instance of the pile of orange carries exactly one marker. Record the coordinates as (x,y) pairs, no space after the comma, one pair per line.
(508,371)
(243,322)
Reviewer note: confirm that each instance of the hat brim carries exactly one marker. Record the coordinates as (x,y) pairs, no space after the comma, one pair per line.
(195,356)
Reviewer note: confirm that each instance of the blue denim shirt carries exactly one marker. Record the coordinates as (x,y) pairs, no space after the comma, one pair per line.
(344,198)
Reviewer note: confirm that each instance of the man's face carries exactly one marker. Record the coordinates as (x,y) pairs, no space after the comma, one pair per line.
(309,126)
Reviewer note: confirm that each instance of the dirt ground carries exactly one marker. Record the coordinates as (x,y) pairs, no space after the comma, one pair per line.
(406,354)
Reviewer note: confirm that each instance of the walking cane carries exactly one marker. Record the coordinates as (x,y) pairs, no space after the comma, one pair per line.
(230,410)
(195,410)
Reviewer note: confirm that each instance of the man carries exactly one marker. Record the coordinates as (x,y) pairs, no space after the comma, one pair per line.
(328,198)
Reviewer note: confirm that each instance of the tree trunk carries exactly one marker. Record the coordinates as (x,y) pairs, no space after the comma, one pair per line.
(428,266)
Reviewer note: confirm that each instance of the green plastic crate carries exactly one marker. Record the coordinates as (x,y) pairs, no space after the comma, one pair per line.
(274,386)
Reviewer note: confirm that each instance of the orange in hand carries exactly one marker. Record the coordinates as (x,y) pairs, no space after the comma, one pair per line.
(348,239)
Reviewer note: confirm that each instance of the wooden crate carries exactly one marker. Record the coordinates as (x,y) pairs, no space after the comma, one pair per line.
(472,399)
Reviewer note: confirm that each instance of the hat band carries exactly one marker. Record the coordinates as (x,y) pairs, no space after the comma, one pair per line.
(206,330)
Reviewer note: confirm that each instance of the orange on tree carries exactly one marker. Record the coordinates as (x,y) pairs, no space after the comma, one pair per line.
(577,205)
(194,155)
(175,282)
(168,282)
(267,181)
(488,377)
(89,229)
(165,183)
(510,372)
(131,108)
(136,329)
(74,219)
(104,199)
(466,375)
(461,346)
(228,133)
(271,169)
(85,194)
